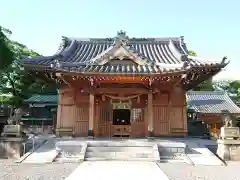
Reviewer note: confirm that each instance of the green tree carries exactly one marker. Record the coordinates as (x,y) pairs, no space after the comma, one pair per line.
(192,53)
(17,84)
(6,53)
(14,80)
(231,87)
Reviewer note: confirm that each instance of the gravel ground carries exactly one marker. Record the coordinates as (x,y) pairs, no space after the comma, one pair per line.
(12,171)
(175,171)
(200,172)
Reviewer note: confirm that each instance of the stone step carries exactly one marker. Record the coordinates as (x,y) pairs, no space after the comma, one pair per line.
(119,159)
(120,149)
(67,160)
(172,148)
(119,144)
(119,154)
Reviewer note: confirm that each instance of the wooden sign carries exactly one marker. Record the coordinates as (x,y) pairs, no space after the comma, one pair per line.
(121,106)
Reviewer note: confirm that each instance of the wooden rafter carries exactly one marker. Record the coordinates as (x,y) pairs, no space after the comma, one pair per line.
(180,79)
(59,75)
(200,78)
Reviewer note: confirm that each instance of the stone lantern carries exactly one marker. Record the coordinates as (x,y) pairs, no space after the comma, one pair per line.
(228,142)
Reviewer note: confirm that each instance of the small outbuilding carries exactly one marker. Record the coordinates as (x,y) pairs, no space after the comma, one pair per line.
(209,106)
(40,113)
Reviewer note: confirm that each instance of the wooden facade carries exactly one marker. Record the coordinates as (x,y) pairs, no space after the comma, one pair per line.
(123,86)
(163,113)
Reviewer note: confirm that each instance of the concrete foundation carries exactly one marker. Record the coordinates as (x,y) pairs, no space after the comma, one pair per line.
(11,147)
(229,149)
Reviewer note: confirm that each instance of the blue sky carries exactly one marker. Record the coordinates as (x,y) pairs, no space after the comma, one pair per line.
(211,28)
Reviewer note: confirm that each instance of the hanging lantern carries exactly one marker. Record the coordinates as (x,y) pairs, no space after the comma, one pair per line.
(138,99)
(130,101)
(103,98)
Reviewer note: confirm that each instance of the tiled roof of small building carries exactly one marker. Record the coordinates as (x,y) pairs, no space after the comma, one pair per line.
(42,99)
(158,55)
(212,102)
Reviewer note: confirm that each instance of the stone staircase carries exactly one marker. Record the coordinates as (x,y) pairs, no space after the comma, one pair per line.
(173,152)
(121,151)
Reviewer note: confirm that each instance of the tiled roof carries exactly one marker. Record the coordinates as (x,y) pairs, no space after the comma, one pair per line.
(211,102)
(42,99)
(86,55)
(123,69)
(84,50)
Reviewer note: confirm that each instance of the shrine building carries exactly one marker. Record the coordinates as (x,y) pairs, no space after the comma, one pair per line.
(123,86)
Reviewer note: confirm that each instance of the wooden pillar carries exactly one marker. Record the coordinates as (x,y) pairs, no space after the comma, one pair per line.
(91,115)
(59,114)
(150,114)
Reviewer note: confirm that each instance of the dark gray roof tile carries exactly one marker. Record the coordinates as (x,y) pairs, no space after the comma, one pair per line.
(120,69)
(158,53)
(211,102)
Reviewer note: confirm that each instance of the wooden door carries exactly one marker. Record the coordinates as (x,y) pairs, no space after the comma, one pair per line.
(104,119)
(161,120)
(137,122)
(81,116)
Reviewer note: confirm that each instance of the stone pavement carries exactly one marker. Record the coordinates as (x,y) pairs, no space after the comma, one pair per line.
(118,170)
(55,171)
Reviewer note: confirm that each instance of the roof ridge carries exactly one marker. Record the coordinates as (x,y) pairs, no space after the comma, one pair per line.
(203,59)
(110,39)
(206,92)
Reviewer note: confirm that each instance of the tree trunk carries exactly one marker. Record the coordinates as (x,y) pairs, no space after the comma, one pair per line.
(16,116)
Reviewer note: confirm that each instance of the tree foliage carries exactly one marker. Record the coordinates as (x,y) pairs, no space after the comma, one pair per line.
(231,87)
(192,53)
(204,86)
(6,53)
(16,82)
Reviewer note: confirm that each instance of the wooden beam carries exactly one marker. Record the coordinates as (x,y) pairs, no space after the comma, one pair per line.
(99,75)
(122,90)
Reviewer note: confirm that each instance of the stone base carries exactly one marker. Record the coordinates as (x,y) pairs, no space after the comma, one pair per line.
(13,130)
(229,132)
(64,131)
(11,147)
(150,134)
(90,133)
(229,149)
